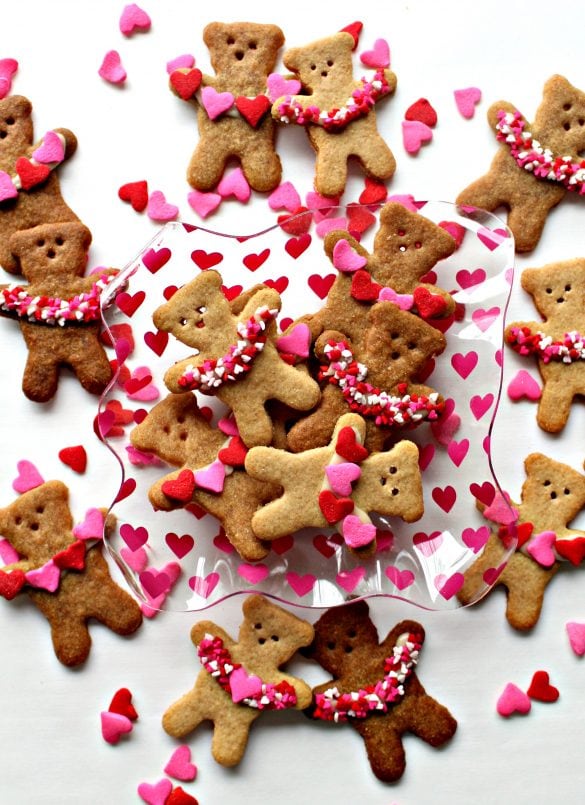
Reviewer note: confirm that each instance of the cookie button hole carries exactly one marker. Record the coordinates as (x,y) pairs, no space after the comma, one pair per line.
(395,355)
(239,55)
(393,470)
(183,435)
(352,633)
(40,509)
(329,63)
(324,73)
(18,520)
(402,248)
(418,245)
(581,121)
(549,290)
(383,481)
(567,288)
(313,67)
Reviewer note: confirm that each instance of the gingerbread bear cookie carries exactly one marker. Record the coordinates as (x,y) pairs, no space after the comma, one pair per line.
(317,486)
(240,679)
(234,110)
(67,578)
(536,164)
(29,187)
(237,358)
(211,474)
(393,348)
(337,111)
(552,496)
(375,687)
(558,290)
(58,310)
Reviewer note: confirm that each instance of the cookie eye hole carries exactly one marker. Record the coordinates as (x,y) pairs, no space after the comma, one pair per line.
(567,288)
(394,335)
(348,649)
(352,633)
(331,645)
(324,73)
(313,67)
(566,491)
(418,244)
(40,243)
(395,355)
(181,419)
(3,134)
(275,638)
(411,345)
(202,309)
(567,107)
(231,40)
(330,62)
(549,290)
(383,481)
(17,520)
(239,55)
(257,626)
(392,470)
(40,509)
(166,430)
(183,322)
(252,45)
(10,121)
(261,640)
(546,483)
(59,241)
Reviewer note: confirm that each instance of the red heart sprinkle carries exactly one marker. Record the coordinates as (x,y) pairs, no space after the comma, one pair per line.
(348,447)
(428,304)
(179,796)
(359,219)
(541,689)
(181,488)
(363,287)
(72,558)
(354,28)
(11,583)
(74,457)
(234,454)
(31,175)
(253,109)
(571,549)
(422,111)
(136,193)
(334,509)
(185,84)
(122,704)
(374,193)
(296,223)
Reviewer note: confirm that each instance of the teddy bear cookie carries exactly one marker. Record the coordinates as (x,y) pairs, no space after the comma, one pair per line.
(375,688)
(29,187)
(552,496)
(234,109)
(318,491)
(58,310)
(558,342)
(237,358)
(537,162)
(67,578)
(239,679)
(211,472)
(337,111)
(376,379)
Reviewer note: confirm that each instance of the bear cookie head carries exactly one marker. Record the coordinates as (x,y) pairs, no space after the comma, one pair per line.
(242,48)
(325,67)
(559,123)
(558,291)
(335,642)
(556,491)
(275,633)
(52,251)
(29,524)
(16,128)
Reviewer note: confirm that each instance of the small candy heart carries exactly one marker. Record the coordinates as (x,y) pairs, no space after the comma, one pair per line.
(341,476)
(7,553)
(429,305)
(228,426)
(46,577)
(278,86)
(379,56)
(51,149)
(186,82)
(74,457)
(11,583)
(72,558)
(415,134)
(235,184)
(30,175)
(7,69)
(244,686)
(179,796)
(576,633)
(296,342)
(359,219)
(112,69)
(297,223)
(541,689)
(185,60)
(134,18)
(156,794)
(114,726)
(345,257)
(513,700)
(136,193)
(253,110)
(122,704)
(523,385)
(329,224)
(158,209)
(28,477)
(234,455)
(357,534)
(179,765)
(334,509)
(348,447)
(422,111)
(212,477)
(363,287)
(500,510)
(216,103)
(136,560)
(203,203)
(285,197)
(541,548)
(571,549)
(7,186)
(355,29)
(466,100)
(374,193)
(181,488)
(405,301)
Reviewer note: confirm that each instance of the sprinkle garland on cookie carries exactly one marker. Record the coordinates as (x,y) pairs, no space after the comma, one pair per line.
(525,342)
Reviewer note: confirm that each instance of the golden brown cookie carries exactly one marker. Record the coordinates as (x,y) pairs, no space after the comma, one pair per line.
(558,342)
(29,192)
(375,687)
(250,678)
(552,496)
(325,70)
(537,162)
(58,310)
(67,580)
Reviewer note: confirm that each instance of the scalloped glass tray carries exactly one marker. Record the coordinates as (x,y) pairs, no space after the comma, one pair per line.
(180,560)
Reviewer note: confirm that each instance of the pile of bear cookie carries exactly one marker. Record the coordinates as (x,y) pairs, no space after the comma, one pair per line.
(313,410)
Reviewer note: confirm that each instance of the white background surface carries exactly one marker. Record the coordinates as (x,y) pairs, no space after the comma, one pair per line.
(50,744)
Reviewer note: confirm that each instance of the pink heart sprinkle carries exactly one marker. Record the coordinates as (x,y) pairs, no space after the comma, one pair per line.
(203,203)
(500,510)
(7,553)
(114,725)
(141,459)
(399,578)
(345,257)
(92,526)
(184,60)
(379,56)
(513,700)
(466,100)
(46,577)
(212,477)
(253,574)
(235,184)
(136,560)
(122,348)
(445,428)
(340,477)
(321,206)
(407,201)
(278,86)
(244,686)
(51,149)
(180,766)
(523,385)
(158,209)
(153,606)
(349,579)
(216,103)
(172,570)
(355,533)
(448,586)
(228,426)
(404,301)
(28,477)
(327,225)
(541,546)
(300,584)
(296,342)
(285,197)
(415,134)
(204,586)
(576,633)
(156,794)
(7,186)
(134,18)
(8,67)
(112,69)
